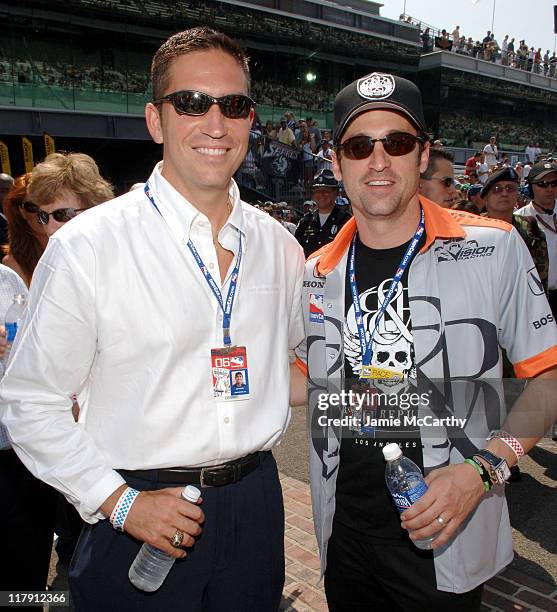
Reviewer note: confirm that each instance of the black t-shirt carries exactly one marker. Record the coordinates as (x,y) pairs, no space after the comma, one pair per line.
(363,502)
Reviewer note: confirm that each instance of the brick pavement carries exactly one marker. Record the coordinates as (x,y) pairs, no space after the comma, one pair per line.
(510,591)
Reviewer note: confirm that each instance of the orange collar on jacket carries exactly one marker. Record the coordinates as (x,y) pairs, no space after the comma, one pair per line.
(439,223)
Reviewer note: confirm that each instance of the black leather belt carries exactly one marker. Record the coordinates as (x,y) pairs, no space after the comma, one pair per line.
(212,476)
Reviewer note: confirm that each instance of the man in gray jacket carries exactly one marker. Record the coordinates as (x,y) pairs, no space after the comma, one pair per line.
(406,313)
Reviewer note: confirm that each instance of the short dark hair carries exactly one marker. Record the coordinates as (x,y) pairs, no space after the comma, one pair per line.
(434,155)
(188,41)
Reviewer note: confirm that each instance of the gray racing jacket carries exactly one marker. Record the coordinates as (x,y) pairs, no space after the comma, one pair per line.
(473,290)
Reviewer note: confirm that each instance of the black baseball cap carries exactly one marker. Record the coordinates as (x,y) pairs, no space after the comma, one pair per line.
(540,170)
(378,90)
(474,190)
(505,174)
(325,178)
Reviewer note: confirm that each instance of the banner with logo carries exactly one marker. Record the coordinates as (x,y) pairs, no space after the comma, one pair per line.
(281,161)
(5,158)
(49,145)
(27,154)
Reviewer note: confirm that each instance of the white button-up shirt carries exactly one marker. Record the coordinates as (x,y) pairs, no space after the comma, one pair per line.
(550,237)
(10,285)
(120,312)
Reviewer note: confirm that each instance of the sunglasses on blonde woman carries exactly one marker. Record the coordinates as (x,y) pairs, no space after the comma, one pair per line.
(30,207)
(62,215)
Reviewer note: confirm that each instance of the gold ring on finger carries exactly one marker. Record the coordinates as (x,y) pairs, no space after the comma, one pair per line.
(177,539)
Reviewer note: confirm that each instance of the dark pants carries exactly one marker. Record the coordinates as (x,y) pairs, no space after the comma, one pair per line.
(27,515)
(366,575)
(68,528)
(237,564)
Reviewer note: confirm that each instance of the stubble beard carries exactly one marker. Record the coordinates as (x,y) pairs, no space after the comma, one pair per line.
(389,208)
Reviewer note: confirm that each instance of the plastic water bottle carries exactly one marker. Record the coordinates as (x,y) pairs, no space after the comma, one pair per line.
(151,565)
(12,322)
(405,482)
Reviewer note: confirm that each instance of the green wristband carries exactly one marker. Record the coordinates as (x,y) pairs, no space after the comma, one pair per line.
(481,472)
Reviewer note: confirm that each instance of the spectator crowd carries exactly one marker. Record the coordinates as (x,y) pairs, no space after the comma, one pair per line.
(510,52)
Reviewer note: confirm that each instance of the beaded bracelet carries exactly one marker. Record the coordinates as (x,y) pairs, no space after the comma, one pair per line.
(122,507)
(509,440)
(482,472)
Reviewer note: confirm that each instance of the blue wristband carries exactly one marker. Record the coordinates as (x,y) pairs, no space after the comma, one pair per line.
(122,507)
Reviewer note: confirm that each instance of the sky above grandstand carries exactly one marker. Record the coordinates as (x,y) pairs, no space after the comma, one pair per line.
(520,19)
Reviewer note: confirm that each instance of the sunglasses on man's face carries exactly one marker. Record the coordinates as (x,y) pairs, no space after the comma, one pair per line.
(446,181)
(62,215)
(395,145)
(197,103)
(546,184)
(507,188)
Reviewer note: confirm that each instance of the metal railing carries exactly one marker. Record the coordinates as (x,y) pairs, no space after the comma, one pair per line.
(40,95)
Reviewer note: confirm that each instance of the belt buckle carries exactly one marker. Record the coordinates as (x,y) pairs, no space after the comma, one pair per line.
(215,469)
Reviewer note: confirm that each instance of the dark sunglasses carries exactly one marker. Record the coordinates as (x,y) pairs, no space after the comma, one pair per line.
(545,184)
(395,145)
(62,215)
(446,181)
(30,207)
(196,103)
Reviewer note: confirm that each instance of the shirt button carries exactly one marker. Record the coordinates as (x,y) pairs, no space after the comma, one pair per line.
(329,305)
(220,317)
(211,265)
(226,420)
(331,356)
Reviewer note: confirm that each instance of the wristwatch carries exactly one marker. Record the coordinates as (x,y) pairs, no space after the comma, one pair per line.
(498,469)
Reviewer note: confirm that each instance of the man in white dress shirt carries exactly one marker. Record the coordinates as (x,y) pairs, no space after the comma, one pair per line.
(145,305)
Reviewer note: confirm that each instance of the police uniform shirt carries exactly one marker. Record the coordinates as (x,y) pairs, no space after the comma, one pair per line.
(312,235)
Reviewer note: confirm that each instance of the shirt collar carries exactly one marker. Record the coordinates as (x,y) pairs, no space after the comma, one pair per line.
(179,213)
(439,223)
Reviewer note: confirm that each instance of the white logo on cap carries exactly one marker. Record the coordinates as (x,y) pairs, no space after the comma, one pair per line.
(547,166)
(376,86)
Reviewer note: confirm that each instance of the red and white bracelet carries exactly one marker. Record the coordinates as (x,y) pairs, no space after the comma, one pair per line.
(509,441)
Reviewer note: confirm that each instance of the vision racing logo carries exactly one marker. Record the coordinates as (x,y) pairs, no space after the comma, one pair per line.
(316,308)
(457,250)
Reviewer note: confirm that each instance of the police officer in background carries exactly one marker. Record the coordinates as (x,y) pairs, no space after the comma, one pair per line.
(321,226)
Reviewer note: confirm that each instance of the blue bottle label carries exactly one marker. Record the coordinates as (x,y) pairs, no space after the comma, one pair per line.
(404,500)
(11,331)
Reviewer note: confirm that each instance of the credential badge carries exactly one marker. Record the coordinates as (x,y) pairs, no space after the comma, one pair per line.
(376,86)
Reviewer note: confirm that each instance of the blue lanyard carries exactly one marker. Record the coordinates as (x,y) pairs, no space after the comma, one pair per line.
(365,345)
(225,306)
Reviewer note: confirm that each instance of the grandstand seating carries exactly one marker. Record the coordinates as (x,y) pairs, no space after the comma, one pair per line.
(514,133)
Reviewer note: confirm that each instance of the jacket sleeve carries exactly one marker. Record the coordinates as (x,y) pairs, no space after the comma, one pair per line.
(528,331)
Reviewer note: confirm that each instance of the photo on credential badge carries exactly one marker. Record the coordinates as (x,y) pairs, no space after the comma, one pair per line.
(239,383)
